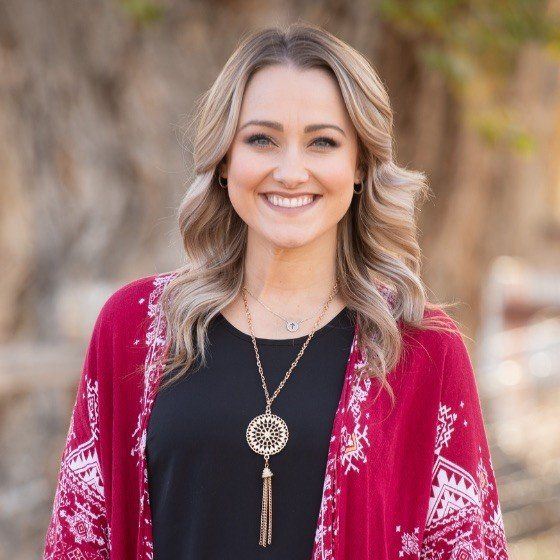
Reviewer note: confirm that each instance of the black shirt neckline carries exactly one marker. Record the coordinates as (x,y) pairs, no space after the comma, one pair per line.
(283,341)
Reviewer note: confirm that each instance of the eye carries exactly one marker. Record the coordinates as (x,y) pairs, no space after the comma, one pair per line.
(329,141)
(254,140)
(261,141)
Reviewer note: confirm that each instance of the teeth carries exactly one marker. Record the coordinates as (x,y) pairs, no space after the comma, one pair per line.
(289,202)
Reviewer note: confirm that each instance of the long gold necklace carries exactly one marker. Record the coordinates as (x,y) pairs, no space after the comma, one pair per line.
(267,434)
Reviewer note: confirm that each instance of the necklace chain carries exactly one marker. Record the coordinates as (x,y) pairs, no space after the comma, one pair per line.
(269,399)
(267,434)
(285,319)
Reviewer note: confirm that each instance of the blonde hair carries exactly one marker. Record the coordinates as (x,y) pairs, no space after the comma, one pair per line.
(377,247)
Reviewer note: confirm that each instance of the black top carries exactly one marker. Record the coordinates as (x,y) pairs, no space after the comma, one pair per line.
(205,481)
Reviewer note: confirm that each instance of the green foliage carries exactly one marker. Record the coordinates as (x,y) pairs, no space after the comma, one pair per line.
(457,36)
(143,12)
(474,45)
(500,126)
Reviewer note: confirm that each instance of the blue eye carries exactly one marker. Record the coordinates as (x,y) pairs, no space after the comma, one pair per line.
(252,139)
(255,140)
(330,142)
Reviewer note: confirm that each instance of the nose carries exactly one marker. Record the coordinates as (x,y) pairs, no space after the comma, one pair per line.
(291,170)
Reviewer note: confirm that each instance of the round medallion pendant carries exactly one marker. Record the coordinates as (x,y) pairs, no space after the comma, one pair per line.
(292,326)
(267,434)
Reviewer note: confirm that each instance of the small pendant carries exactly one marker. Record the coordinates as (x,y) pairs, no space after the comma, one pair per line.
(292,326)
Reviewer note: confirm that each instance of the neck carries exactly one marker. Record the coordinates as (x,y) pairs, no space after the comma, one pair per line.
(295,280)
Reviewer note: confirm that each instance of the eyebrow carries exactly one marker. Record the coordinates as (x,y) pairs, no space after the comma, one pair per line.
(277,126)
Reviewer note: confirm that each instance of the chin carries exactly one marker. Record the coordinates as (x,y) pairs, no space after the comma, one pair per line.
(288,241)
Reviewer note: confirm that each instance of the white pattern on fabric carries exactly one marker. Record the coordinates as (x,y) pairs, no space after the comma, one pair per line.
(155,342)
(348,452)
(410,542)
(445,428)
(354,435)
(79,513)
(325,526)
(462,520)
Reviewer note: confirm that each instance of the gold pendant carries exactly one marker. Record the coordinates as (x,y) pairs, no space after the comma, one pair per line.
(267,434)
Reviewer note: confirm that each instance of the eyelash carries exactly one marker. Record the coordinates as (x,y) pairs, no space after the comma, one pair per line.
(332,143)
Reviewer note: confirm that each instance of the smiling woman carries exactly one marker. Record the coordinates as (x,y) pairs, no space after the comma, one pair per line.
(373,436)
(294,139)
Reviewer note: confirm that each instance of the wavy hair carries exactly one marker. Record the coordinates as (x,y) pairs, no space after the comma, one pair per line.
(377,248)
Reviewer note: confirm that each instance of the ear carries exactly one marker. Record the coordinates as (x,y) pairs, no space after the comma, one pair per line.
(359,175)
(223,168)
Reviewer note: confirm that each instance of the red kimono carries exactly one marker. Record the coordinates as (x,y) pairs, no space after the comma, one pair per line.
(414,482)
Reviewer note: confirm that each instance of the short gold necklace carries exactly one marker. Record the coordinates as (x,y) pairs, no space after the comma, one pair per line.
(291,324)
(267,434)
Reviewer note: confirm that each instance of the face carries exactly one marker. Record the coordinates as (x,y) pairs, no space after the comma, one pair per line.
(292,164)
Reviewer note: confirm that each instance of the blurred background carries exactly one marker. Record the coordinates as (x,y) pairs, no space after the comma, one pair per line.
(95,101)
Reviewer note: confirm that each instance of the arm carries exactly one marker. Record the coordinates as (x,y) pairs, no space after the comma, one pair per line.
(78,526)
(464,518)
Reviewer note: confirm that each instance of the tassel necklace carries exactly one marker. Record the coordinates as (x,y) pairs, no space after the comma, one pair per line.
(267,434)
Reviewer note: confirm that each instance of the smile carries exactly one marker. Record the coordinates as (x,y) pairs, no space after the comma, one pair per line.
(290,205)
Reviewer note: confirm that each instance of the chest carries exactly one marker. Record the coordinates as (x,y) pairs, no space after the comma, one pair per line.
(208,411)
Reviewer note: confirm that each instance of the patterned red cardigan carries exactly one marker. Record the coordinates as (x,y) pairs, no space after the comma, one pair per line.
(415,482)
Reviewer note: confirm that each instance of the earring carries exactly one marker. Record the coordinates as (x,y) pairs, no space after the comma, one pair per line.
(361,187)
(220,182)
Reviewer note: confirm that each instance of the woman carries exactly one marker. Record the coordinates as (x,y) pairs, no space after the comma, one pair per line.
(293,370)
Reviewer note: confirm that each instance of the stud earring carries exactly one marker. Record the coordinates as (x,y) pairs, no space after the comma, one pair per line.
(220,182)
(361,187)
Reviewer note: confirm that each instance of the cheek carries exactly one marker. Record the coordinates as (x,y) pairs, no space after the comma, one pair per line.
(338,170)
(246,169)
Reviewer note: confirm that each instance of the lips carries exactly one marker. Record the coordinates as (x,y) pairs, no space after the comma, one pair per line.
(290,202)
(290,209)
(290,196)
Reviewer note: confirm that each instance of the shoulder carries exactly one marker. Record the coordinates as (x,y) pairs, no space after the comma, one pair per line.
(128,329)
(130,308)
(122,302)
(449,342)
(435,344)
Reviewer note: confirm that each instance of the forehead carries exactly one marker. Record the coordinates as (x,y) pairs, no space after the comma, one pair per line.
(285,93)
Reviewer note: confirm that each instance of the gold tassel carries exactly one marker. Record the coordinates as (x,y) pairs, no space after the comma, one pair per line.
(266,511)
